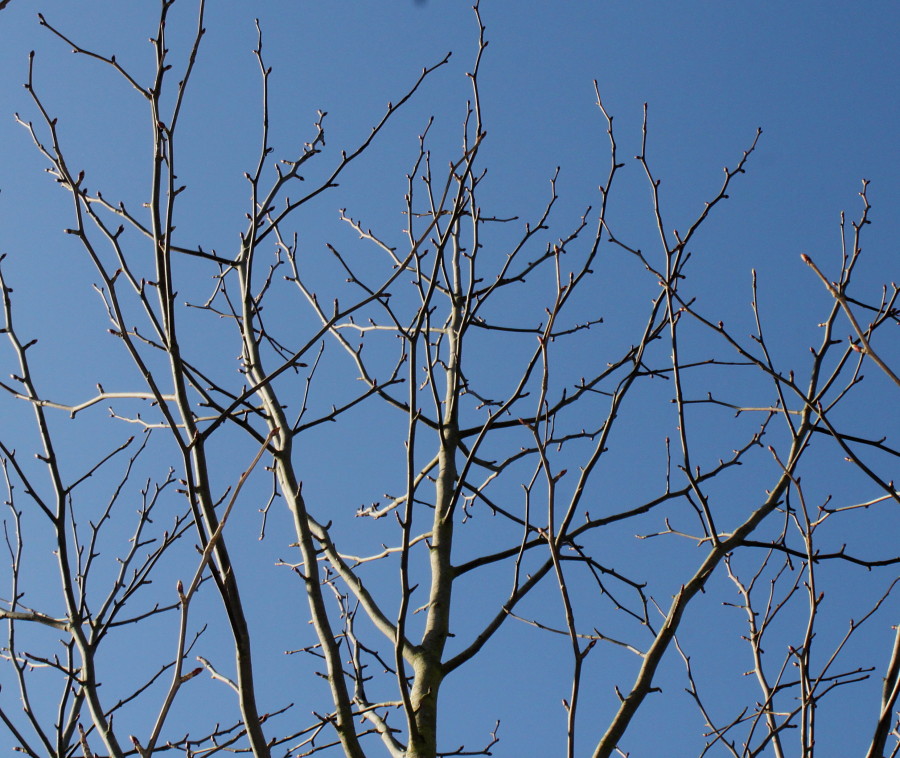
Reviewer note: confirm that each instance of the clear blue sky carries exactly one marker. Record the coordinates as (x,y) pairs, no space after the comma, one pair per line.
(820,79)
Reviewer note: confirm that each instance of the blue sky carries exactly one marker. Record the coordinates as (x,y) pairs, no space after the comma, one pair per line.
(819,78)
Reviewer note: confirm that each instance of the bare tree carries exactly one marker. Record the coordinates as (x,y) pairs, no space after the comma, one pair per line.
(472,345)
